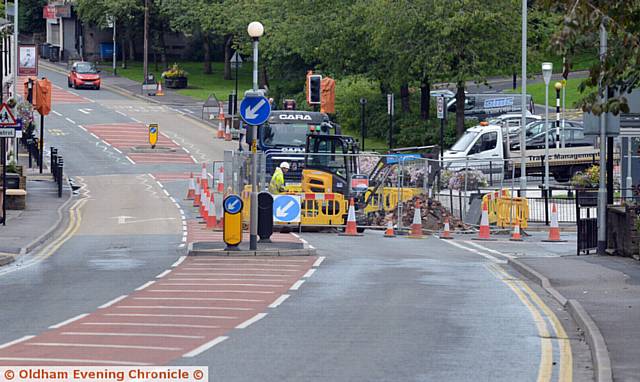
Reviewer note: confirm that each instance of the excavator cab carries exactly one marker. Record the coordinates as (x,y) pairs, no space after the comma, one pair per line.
(330,161)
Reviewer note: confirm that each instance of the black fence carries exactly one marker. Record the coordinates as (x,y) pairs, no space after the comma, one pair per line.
(32,145)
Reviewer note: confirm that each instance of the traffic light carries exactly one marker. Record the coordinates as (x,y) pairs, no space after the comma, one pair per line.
(314,89)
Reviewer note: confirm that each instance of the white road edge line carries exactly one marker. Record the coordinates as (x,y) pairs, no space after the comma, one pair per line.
(252,320)
(309,273)
(180,260)
(115,148)
(63,323)
(21,339)
(82,127)
(129,159)
(489,249)
(136,120)
(56,113)
(143,286)
(117,299)
(121,113)
(160,184)
(205,347)
(70,120)
(319,261)
(297,285)
(161,275)
(487,256)
(279,301)
(165,192)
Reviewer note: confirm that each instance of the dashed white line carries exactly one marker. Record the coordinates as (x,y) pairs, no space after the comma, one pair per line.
(161,275)
(143,286)
(73,361)
(21,339)
(252,320)
(487,256)
(151,176)
(205,347)
(297,285)
(56,113)
(95,136)
(160,184)
(151,325)
(129,159)
(89,99)
(186,151)
(116,149)
(67,344)
(182,245)
(210,291)
(172,199)
(129,334)
(279,301)
(489,249)
(165,192)
(193,159)
(74,93)
(63,323)
(319,261)
(309,273)
(117,299)
(83,111)
(182,307)
(170,315)
(181,212)
(199,299)
(179,261)
(121,113)
(106,143)
(82,127)
(136,120)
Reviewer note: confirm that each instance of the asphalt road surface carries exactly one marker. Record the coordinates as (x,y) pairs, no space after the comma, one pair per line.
(115,287)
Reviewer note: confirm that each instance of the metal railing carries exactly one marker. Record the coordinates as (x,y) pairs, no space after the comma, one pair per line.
(57,164)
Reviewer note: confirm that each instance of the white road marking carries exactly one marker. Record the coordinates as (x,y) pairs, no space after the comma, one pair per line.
(487,256)
(179,261)
(116,149)
(252,263)
(181,245)
(99,334)
(56,113)
(166,272)
(193,159)
(297,285)
(186,151)
(489,249)
(121,113)
(204,347)
(170,315)
(309,273)
(165,192)
(172,199)
(95,136)
(181,212)
(212,273)
(160,184)
(152,325)
(188,111)
(117,299)
(209,291)
(319,261)
(136,120)
(224,279)
(83,128)
(252,320)
(141,287)
(245,269)
(181,307)
(21,339)
(63,323)
(199,299)
(66,344)
(279,301)
(74,93)
(129,159)
(222,284)
(74,361)
(215,260)
(85,111)
(89,99)
(106,143)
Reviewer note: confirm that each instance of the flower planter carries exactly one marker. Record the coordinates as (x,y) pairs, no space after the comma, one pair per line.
(176,82)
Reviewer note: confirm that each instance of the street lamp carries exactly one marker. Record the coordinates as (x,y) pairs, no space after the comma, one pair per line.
(255,30)
(547,69)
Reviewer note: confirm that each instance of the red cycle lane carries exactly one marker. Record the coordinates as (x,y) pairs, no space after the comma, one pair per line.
(183,312)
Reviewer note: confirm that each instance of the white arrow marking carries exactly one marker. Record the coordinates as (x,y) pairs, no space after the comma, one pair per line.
(122,219)
(232,205)
(281,212)
(250,113)
(85,111)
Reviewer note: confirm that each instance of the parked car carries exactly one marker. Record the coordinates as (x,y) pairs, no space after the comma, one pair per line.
(84,75)
(573,137)
(512,121)
(535,128)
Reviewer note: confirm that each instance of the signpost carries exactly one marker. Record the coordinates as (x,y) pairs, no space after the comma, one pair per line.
(442,117)
(6,119)
(232,230)
(153,134)
(286,208)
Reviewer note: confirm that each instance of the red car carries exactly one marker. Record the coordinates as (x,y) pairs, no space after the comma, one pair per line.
(84,75)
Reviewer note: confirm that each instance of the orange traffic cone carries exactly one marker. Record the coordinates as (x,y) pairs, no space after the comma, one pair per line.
(389,232)
(191,193)
(484,233)
(203,175)
(196,199)
(516,232)
(159,91)
(211,217)
(221,122)
(416,224)
(446,234)
(204,205)
(221,180)
(352,228)
(554,230)
(227,132)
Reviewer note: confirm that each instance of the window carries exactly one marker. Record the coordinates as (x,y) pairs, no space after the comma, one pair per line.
(284,134)
(578,134)
(488,141)
(464,141)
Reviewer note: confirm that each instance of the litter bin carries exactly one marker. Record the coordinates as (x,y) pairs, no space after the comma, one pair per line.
(54,53)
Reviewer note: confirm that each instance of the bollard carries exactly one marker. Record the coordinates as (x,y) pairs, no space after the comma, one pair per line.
(265,217)
(59,178)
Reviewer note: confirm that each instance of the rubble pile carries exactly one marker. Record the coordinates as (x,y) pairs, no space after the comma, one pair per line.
(432,211)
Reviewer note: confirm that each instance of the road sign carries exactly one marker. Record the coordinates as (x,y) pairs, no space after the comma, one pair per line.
(7,132)
(359,182)
(440,107)
(236,59)
(255,110)
(6,116)
(286,208)
(390,104)
(232,204)
(232,229)
(153,134)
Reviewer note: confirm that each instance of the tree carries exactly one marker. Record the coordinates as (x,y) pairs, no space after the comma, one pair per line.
(619,70)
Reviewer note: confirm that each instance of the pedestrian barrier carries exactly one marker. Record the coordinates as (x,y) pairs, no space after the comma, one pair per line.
(503,210)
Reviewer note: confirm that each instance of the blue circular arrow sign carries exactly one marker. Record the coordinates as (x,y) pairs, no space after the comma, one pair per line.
(255,110)
(286,208)
(232,204)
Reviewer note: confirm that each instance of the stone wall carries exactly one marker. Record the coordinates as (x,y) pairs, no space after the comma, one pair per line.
(622,235)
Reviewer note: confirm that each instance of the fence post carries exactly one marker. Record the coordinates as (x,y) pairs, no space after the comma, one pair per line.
(545,193)
(60,166)
(451,200)
(578,222)
(460,204)
(30,150)
(491,173)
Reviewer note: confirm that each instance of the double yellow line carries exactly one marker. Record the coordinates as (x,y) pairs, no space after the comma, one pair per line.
(539,310)
(75,219)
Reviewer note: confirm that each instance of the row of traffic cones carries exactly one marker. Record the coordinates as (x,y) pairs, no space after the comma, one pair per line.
(204,198)
(224,129)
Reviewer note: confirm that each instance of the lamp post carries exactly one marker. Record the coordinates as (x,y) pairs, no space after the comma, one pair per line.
(523,100)
(255,30)
(547,69)
(558,87)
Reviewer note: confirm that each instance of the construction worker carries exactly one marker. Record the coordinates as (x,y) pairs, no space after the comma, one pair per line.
(276,185)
